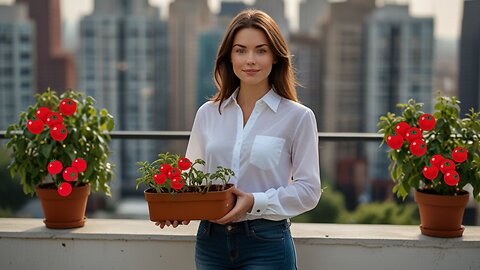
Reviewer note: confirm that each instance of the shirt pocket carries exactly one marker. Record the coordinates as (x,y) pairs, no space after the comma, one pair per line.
(266,151)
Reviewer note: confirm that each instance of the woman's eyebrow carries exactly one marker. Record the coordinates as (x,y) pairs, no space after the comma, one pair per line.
(243,46)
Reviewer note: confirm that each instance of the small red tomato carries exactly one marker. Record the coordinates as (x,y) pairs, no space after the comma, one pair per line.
(177,183)
(418,147)
(35,125)
(447,165)
(53,119)
(430,172)
(160,178)
(184,164)
(165,168)
(64,189)
(413,134)
(79,164)
(68,106)
(70,174)
(402,128)
(395,141)
(451,178)
(174,172)
(426,122)
(436,160)
(55,167)
(43,113)
(59,132)
(459,154)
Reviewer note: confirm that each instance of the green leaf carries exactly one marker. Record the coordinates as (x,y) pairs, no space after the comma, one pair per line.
(46,149)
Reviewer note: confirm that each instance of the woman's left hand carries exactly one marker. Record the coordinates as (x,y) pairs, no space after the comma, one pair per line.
(242,207)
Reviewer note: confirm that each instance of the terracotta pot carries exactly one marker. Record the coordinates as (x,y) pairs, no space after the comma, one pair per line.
(189,205)
(63,212)
(441,215)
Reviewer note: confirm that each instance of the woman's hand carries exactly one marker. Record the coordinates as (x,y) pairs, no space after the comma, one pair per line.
(174,223)
(242,207)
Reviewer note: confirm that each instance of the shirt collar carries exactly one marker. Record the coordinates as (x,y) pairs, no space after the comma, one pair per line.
(271,98)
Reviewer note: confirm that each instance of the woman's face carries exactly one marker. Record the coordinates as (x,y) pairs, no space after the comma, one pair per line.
(252,58)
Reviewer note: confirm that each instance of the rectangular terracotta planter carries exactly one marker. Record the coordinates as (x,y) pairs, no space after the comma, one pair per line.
(189,205)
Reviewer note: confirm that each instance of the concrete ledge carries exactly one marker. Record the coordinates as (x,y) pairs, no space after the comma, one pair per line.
(138,244)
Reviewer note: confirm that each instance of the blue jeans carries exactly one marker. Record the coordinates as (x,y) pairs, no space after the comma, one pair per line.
(249,245)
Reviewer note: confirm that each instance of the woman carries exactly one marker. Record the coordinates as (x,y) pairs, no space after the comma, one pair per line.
(255,126)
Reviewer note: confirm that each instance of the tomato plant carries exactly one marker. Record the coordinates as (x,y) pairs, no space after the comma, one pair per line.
(84,133)
(451,145)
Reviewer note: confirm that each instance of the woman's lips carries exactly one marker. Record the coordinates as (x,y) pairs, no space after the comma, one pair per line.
(251,71)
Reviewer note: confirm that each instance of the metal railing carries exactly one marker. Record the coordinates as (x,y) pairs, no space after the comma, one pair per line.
(184,135)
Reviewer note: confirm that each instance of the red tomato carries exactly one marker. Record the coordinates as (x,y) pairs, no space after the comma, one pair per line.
(459,154)
(43,113)
(79,164)
(413,134)
(35,125)
(447,165)
(402,128)
(64,189)
(426,122)
(174,172)
(165,168)
(160,178)
(53,119)
(451,178)
(430,172)
(59,132)
(395,141)
(184,164)
(70,174)
(418,147)
(68,106)
(55,167)
(177,183)
(436,160)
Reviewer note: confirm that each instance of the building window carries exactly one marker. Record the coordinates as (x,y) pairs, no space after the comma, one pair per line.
(24,39)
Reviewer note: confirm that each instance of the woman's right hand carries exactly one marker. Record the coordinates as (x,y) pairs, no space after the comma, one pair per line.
(174,223)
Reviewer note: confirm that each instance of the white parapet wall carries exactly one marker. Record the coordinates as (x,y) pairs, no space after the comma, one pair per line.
(138,244)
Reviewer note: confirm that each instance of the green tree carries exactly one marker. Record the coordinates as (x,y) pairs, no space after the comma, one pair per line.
(382,213)
(328,210)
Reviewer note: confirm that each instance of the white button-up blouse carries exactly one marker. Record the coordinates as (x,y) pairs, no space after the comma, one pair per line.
(274,156)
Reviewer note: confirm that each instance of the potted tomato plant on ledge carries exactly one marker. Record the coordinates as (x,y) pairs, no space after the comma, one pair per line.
(178,190)
(60,151)
(437,155)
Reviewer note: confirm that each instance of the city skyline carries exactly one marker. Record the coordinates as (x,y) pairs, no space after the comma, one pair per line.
(447,13)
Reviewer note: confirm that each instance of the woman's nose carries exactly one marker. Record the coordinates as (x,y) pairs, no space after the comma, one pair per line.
(251,59)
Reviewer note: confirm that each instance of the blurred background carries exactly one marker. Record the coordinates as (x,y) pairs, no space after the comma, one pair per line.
(150,64)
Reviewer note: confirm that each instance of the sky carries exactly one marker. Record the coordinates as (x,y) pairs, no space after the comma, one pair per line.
(447,13)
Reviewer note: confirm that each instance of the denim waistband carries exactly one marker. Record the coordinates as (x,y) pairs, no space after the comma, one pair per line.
(247,225)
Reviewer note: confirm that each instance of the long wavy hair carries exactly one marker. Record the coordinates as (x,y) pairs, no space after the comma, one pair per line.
(281,77)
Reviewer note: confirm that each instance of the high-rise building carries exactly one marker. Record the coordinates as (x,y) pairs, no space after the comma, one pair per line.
(122,64)
(398,66)
(17,59)
(343,102)
(276,10)
(187,19)
(208,44)
(469,82)
(306,58)
(209,41)
(54,67)
(312,12)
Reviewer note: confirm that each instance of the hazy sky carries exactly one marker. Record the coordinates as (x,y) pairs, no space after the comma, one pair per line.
(447,13)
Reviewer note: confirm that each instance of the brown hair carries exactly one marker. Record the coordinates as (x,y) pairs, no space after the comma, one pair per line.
(281,76)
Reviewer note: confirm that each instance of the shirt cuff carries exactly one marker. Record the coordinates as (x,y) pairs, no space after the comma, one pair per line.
(260,201)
